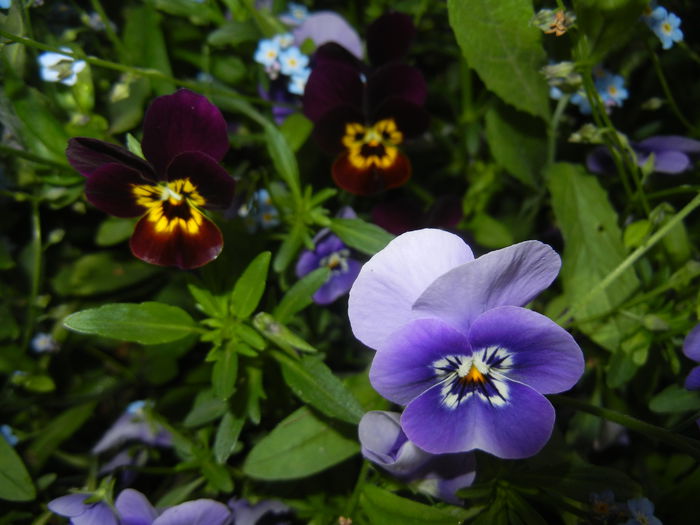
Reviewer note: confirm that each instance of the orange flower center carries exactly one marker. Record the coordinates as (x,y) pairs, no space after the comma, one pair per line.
(171,205)
(373,146)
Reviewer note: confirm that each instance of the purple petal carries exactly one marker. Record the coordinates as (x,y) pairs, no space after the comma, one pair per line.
(396,80)
(307,263)
(211,180)
(389,283)
(671,162)
(98,514)
(445,474)
(132,427)
(516,429)
(110,189)
(692,382)
(330,129)
(691,344)
(510,276)
(544,355)
(87,155)
(401,369)
(339,283)
(326,26)
(246,514)
(389,38)
(134,508)
(410,118)
(183,121)
(600,161)
(331,85)
(197,512)
(69,506)
(670,143)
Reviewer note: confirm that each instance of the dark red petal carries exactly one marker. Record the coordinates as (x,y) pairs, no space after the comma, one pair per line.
(411,119)
(372,180)
(183,121)
(329,131)
(389,38)
(333,51)
(177,248)
(396,81)
(87,155)
(332,84)
(212,181)
(109,188)
(397,216)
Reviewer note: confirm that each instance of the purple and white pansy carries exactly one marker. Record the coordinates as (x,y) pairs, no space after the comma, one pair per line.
(456,347)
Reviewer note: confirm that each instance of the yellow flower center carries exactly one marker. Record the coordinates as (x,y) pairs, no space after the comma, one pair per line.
(171,205)
(373,146)
(474,376)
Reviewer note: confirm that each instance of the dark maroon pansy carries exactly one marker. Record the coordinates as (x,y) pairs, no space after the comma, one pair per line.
(184,139)
(399,215)
(363,113)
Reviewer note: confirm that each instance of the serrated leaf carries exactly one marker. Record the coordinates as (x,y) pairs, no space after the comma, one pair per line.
(314,383)
(299,295)
(250,286)
(363,236)
(382,506)
(146,323)
(499,42)
(15,482)
(299,446)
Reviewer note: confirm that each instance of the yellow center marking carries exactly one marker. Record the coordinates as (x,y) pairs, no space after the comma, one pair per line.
(373,146)
(171,205)
(473,376)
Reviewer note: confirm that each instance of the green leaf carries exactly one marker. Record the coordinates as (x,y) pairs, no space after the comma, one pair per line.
(227,436)
(363,236)
(280,334)
(517,142)
(15,482)
(146,323)
(282,157)
(225,371)
(314,383)
(675,399)
(114,230)
(98,273)
(289,248)
(490,232)
(41,132)
(593,248)
(299,295)
(57,431)
(299,446)
(498,41)
(296,128)
(233,33)
(206,408)
(382,507)
(250,286)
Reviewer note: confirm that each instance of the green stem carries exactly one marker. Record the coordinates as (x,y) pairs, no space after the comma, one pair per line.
(631,259)
(553,126)
(687,445)
(13,152)
(354,498)
(109,31)
(678,190)
(34,275)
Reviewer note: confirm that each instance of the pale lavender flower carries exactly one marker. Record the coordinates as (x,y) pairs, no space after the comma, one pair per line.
(691,349)
(642,511)
(267,511)
(134,425)
(80,512)
(326,26)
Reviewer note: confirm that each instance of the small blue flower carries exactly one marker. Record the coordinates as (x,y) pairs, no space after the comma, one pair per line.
(5,4)
(57,67)
(284,40)
(611,89)
(642,511)
(267,52)
(297,83)
(43,343)
(9,435)
(293,61)
(259,212)
(295,15)
(666,26)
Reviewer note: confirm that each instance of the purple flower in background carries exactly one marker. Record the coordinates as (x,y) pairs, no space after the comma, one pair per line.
(672,154)
(642,511)
(400,215)
(385,444)
(691,349)
(134,425)
(269,512)
(80,512)
(326,26)
(455,346)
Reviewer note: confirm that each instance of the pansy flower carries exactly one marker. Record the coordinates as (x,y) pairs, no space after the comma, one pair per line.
(399,215)
(456,347)
(184,139)
(362,113)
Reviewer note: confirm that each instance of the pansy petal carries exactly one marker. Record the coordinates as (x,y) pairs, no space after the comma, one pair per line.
(389,283)
(330,129)
(513,430)
(691,344)
(266,511)
(210,179)
(410,118)
(671,162)
(176,245)
(544,355)
(70,505)
(326,26)
(402,368)
(98,514)
(510,276)
(332,84)
(692,382)
(87,155)
(389,37)
(197,512)
(110,189)
(338,285)
(447,473)
(183,121)
(396,80)
(600,161)
(134,508)
(371,180)
(670,143)
(332,52)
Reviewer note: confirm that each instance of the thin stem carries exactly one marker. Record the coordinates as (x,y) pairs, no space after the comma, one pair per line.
(14,152)
(35,273)
(631,259)
(361,478)
(687,445)
(553,126)
(109,31)
(685,188)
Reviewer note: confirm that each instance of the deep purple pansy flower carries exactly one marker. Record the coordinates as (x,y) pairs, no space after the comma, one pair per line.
(385,444)
(456,347)
(691,349)
(400,215)
(672,154)
(184,139)
(364,113)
